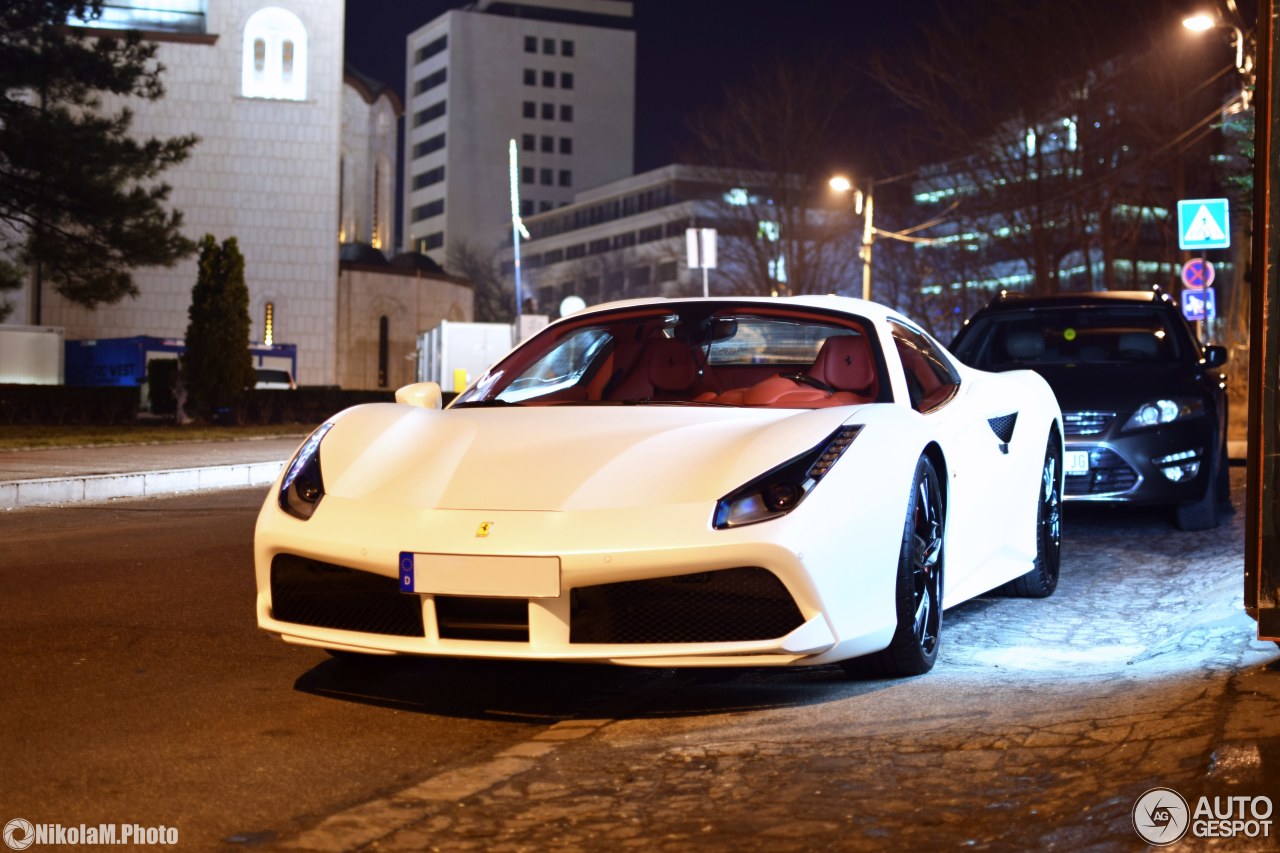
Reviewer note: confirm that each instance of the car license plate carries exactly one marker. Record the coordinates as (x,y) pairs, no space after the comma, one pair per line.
(1076,462)
(480,575)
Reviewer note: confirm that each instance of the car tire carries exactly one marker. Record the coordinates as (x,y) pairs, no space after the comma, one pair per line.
(1202,514)
(1042,580)
(914,647)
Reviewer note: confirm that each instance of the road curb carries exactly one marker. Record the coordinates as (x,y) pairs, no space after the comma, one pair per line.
(101,487)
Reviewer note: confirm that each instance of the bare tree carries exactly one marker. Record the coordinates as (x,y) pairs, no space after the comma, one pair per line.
(766,145)
(1061,155)
(494,297)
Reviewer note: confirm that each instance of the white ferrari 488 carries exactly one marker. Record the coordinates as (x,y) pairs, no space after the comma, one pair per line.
(701,482)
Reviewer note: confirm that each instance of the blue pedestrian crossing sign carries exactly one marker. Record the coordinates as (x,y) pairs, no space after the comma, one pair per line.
(1199,304)
(1203,224)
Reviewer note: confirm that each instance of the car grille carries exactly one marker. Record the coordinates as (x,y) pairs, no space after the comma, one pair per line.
(1086,423)
(731,605)
(469,618)
(309,592)
(1108,474)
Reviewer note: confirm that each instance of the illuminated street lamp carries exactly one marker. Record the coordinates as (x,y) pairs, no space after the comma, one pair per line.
(862,205)
(1203,22)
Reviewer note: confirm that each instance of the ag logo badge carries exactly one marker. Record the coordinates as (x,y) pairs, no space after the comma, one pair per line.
(482,532)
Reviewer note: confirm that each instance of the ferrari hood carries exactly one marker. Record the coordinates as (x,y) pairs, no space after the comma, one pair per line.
(560,458)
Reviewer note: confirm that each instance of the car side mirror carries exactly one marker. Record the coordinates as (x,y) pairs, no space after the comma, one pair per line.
(1215,356)
(425,395)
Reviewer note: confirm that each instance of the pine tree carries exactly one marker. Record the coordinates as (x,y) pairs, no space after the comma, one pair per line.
(217,367)
(80,204)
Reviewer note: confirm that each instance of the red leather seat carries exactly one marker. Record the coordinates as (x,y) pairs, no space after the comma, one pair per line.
(664,370)
(845,363)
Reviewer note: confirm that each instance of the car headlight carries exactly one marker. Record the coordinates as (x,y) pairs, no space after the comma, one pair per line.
(780,490)
(303,486)
(1165,411)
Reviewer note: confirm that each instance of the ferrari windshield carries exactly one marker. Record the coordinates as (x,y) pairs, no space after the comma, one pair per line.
(691,354)
(1079,335)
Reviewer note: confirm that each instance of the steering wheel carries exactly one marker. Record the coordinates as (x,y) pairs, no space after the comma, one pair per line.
(812,382)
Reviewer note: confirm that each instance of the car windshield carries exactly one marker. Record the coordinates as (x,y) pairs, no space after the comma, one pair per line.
(694,354)
(1078,335)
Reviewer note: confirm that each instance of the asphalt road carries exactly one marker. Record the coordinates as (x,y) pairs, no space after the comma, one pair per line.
(137,689)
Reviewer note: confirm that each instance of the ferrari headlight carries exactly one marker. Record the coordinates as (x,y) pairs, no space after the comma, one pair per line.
(303,486)
(1165,411)
(777,492)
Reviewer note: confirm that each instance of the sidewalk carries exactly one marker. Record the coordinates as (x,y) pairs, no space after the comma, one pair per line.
(66,475)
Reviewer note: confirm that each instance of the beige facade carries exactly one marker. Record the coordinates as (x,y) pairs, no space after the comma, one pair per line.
(381,310)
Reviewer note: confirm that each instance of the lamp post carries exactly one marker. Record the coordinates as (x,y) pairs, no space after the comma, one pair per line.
(1204,21)
(863,206)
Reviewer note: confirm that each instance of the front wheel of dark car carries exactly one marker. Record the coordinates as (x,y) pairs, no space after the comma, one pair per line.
(1042,580)
(914,647)
(1202,514)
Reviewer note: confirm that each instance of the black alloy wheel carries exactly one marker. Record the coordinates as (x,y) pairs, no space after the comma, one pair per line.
(914,647)
(1042,580)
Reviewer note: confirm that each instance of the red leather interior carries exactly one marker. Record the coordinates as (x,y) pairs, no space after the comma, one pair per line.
(665,366)
(845,362)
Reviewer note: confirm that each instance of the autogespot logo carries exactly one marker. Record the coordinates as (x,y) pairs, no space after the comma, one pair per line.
(19,833)
(1161,817)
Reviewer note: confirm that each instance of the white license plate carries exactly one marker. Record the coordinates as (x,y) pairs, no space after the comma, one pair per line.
(1076,462)
(491,576)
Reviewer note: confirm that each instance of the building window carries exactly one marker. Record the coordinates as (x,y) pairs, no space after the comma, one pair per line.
(566,112)
(428,210)
(549,111)
(380,232)
(530,109)
(433,241)
(269,324)
(545,177)
(431,113)
(544,206)
(566,178)
(578,250)
(667,271)
(641,276)
(549,79)
(527,142)
(530,44)
(172,16)
(431,49)
(425,147)
(275,56)
(435,78)
(383,347)
(429,177)
(648,235)
(526,174)
(614,285)
(566,145)
(526,207)
(566,47)
(530,77)
(566,80)
(548,144)
(549,46)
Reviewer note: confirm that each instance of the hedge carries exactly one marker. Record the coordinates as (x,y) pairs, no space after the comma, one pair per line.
(63,404)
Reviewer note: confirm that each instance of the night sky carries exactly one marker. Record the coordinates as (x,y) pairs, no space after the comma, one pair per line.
(687,51)
(690,51)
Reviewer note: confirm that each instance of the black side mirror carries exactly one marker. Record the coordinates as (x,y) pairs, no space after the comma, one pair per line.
(1215,356)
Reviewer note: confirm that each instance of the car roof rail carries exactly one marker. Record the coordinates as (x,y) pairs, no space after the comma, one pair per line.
(1006,296)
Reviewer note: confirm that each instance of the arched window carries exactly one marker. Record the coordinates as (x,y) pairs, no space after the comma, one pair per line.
(381,236)
(275,55)
(383,346)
